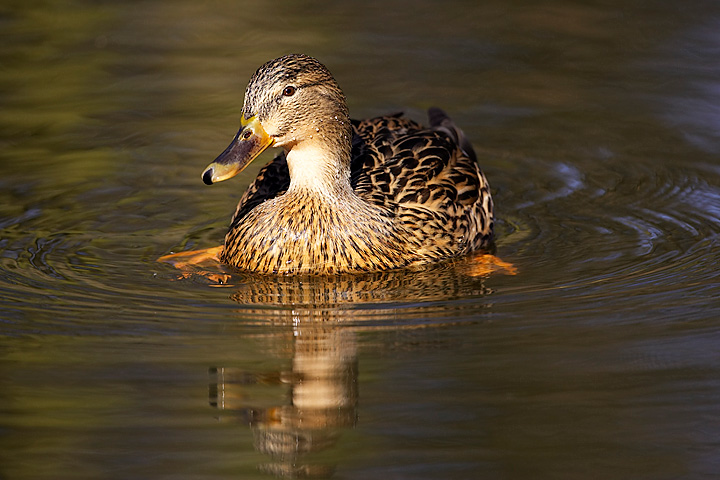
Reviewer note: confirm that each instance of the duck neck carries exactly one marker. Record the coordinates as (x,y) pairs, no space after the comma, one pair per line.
(320,166)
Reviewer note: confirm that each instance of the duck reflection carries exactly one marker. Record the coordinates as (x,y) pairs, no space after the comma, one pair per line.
(322,384)
(318,319)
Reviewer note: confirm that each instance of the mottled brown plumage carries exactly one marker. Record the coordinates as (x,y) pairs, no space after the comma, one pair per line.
(347,196)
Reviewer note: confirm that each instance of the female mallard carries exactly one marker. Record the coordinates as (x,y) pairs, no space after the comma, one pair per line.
(346,196)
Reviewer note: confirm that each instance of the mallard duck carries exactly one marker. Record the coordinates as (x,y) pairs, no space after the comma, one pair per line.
(346,196)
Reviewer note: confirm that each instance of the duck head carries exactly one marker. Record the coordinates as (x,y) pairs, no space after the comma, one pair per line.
(290,101)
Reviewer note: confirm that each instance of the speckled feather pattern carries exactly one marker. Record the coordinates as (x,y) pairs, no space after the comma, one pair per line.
(418,196)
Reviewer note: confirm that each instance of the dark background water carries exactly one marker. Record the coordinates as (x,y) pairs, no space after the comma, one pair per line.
(598,126)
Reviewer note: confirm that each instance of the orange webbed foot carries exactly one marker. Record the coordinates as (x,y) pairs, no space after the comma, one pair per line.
(484,264)
(192,258)
(197,262)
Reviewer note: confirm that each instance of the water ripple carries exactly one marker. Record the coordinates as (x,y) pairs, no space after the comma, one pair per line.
(648,232)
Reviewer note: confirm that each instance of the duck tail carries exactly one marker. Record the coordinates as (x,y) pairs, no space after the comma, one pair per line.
(439,120)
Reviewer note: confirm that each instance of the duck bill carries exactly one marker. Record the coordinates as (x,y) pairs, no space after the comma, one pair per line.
(250,141)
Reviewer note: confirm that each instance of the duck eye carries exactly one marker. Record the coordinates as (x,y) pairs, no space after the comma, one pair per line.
(289,91)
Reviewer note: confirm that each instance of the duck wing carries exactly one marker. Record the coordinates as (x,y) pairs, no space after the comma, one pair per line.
(428,179)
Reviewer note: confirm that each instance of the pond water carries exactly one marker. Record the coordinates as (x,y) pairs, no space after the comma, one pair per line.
(598,126)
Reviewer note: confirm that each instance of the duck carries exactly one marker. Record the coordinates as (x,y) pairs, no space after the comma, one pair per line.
(346,196)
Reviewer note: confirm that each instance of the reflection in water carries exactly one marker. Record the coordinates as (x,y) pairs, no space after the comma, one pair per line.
(355,299)
(320,316)
(322,400)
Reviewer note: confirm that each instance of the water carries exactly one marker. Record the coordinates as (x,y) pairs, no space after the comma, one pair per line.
(597,125)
